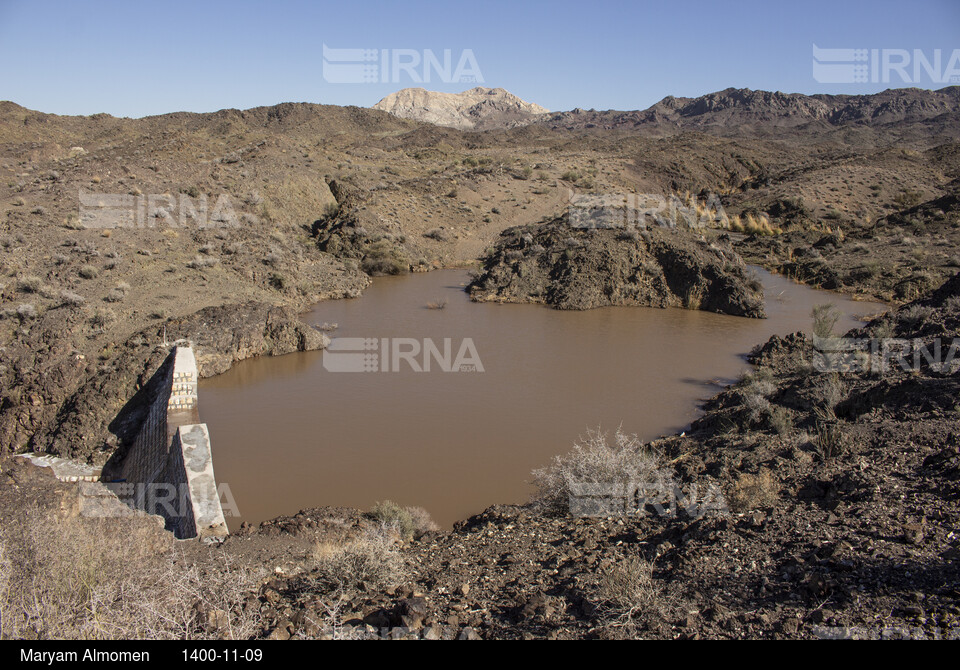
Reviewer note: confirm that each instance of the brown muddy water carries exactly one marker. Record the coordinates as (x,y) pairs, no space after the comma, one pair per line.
(289,434)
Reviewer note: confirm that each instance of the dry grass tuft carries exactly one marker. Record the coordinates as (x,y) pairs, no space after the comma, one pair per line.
(754,491)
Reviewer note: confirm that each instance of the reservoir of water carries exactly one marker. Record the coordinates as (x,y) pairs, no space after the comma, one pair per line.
(290,434)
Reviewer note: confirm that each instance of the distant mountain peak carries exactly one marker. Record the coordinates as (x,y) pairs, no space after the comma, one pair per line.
(479,108)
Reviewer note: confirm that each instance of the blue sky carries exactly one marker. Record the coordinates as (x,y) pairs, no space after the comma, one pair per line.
(136,58)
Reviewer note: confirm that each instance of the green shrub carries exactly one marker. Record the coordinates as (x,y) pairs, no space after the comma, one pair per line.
(392,515)
(825,318)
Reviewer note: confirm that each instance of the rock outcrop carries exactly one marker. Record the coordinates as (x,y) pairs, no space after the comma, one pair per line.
(477,109)
(571,268)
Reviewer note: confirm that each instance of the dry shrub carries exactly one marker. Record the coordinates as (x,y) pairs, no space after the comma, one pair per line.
(116,295)
(30,284)
(594,459)
(202,262)
(627,590)
(437,234)
(422,521)
(110,578)
(408,522)
(372,558)
(780,420)
(330,621)
(756,406)
(71,299)
(391,515)
(754,491)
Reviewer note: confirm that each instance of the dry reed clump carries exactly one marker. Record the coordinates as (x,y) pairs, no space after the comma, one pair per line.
(704,212)
(108,578)
(752,225)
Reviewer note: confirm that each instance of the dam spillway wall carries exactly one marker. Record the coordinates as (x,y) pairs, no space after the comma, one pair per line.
(168,470)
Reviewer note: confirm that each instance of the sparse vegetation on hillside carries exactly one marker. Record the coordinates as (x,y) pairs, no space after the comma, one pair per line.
(79,578)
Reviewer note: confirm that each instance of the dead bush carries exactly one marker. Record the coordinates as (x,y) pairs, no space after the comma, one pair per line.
(422,521)
(595,459)
(372,558)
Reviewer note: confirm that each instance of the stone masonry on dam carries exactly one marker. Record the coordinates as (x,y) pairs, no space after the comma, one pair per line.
(168,470)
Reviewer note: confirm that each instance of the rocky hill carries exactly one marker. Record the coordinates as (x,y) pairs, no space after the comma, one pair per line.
(477,109)
(739,111)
